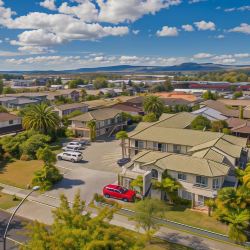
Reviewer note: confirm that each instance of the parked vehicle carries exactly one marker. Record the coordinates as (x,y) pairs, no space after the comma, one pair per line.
(70,156)
(73,148)
(123,161)
(83,142)
(118,192)
(75,143)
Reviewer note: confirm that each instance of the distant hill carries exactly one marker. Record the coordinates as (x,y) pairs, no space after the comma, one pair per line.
(140,69)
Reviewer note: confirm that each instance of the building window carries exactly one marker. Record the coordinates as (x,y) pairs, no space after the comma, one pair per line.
(201,181)
(154,173)
(186,195)
(216,183)
(177,149)
(140,144)
(11,122)
(182,176)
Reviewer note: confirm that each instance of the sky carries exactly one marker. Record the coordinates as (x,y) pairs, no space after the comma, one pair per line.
(71,34)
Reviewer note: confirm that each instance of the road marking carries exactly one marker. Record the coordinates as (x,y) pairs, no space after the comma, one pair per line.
(15,241)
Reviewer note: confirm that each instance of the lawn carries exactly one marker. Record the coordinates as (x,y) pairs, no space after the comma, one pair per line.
(187,216)
(7,201)
(19,173)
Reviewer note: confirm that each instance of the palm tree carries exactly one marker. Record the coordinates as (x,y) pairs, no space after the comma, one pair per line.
(92,127)
(153,104)
(168,185)
(210,203)
(41,117)
(137,183)
(238,222)
(122,135)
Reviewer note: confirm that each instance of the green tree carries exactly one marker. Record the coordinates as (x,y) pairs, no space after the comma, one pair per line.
(41,117)
(137,183)
(122,135)
(169,186)
(210,203)
(1,86)
(100,82)
(3,109)
(92,127)
(145,212)
(74,228)
(200,123)
(153,104)
(32,144)
(208,95)
(218,126)
(8,90)
(238,222)
(241,112)
(150,117)
(237,94)
(49,174)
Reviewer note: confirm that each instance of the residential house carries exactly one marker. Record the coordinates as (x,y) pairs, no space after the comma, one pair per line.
(107,120)
(221,109)
(72,94)
(9,123)
(239,127)
(67,109)
(201,161)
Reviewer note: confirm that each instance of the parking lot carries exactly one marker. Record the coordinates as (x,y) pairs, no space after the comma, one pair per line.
(97,169)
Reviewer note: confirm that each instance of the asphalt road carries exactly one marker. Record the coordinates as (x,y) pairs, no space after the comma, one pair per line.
(16,230)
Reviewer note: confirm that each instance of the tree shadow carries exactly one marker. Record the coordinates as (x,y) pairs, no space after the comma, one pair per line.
(66,183)
(4,163)
(192,241)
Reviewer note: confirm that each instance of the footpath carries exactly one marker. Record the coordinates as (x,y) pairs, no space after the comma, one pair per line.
(40,206)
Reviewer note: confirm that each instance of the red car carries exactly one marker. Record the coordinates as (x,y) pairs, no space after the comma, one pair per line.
(118,192)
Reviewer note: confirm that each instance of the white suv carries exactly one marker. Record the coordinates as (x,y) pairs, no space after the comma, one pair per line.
(70,156)
(73,148)
(74,143)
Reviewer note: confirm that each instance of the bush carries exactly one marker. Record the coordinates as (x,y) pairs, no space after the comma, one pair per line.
(200,123)
(69,133)
(24,157)
(102,199)
(151,117)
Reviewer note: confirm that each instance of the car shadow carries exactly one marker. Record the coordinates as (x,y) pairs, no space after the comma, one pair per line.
(66,183)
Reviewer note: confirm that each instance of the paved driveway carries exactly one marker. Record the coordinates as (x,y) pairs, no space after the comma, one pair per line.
(98,169)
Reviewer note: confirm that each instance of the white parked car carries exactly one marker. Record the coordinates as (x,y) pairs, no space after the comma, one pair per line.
(74,143)
(70,156)
(73,148)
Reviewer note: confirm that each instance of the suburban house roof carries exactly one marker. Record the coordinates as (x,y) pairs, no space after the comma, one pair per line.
(182,163)
(239,125)
(179,120)
(6,117)
(210,113)
(99,115)
(224,109)
(237,102)
(196,140)
(127,108)
(177,95)
(71,106)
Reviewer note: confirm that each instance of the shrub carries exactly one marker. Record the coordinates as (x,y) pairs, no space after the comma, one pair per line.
(24,157)
(69,133)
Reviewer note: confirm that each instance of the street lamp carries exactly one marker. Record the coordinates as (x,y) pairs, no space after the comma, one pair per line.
(35,188)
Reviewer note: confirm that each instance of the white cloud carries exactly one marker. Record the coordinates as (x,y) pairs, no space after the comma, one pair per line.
(86,10)
(224,59)
(187,27)
(203,25)
(48,4)
(242,8)
(167,31)
(242,55)
(4,53)
(202,56)
(243,28)
(136,32)
(116,11)
(196,1)
(44,59)
(219,36)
